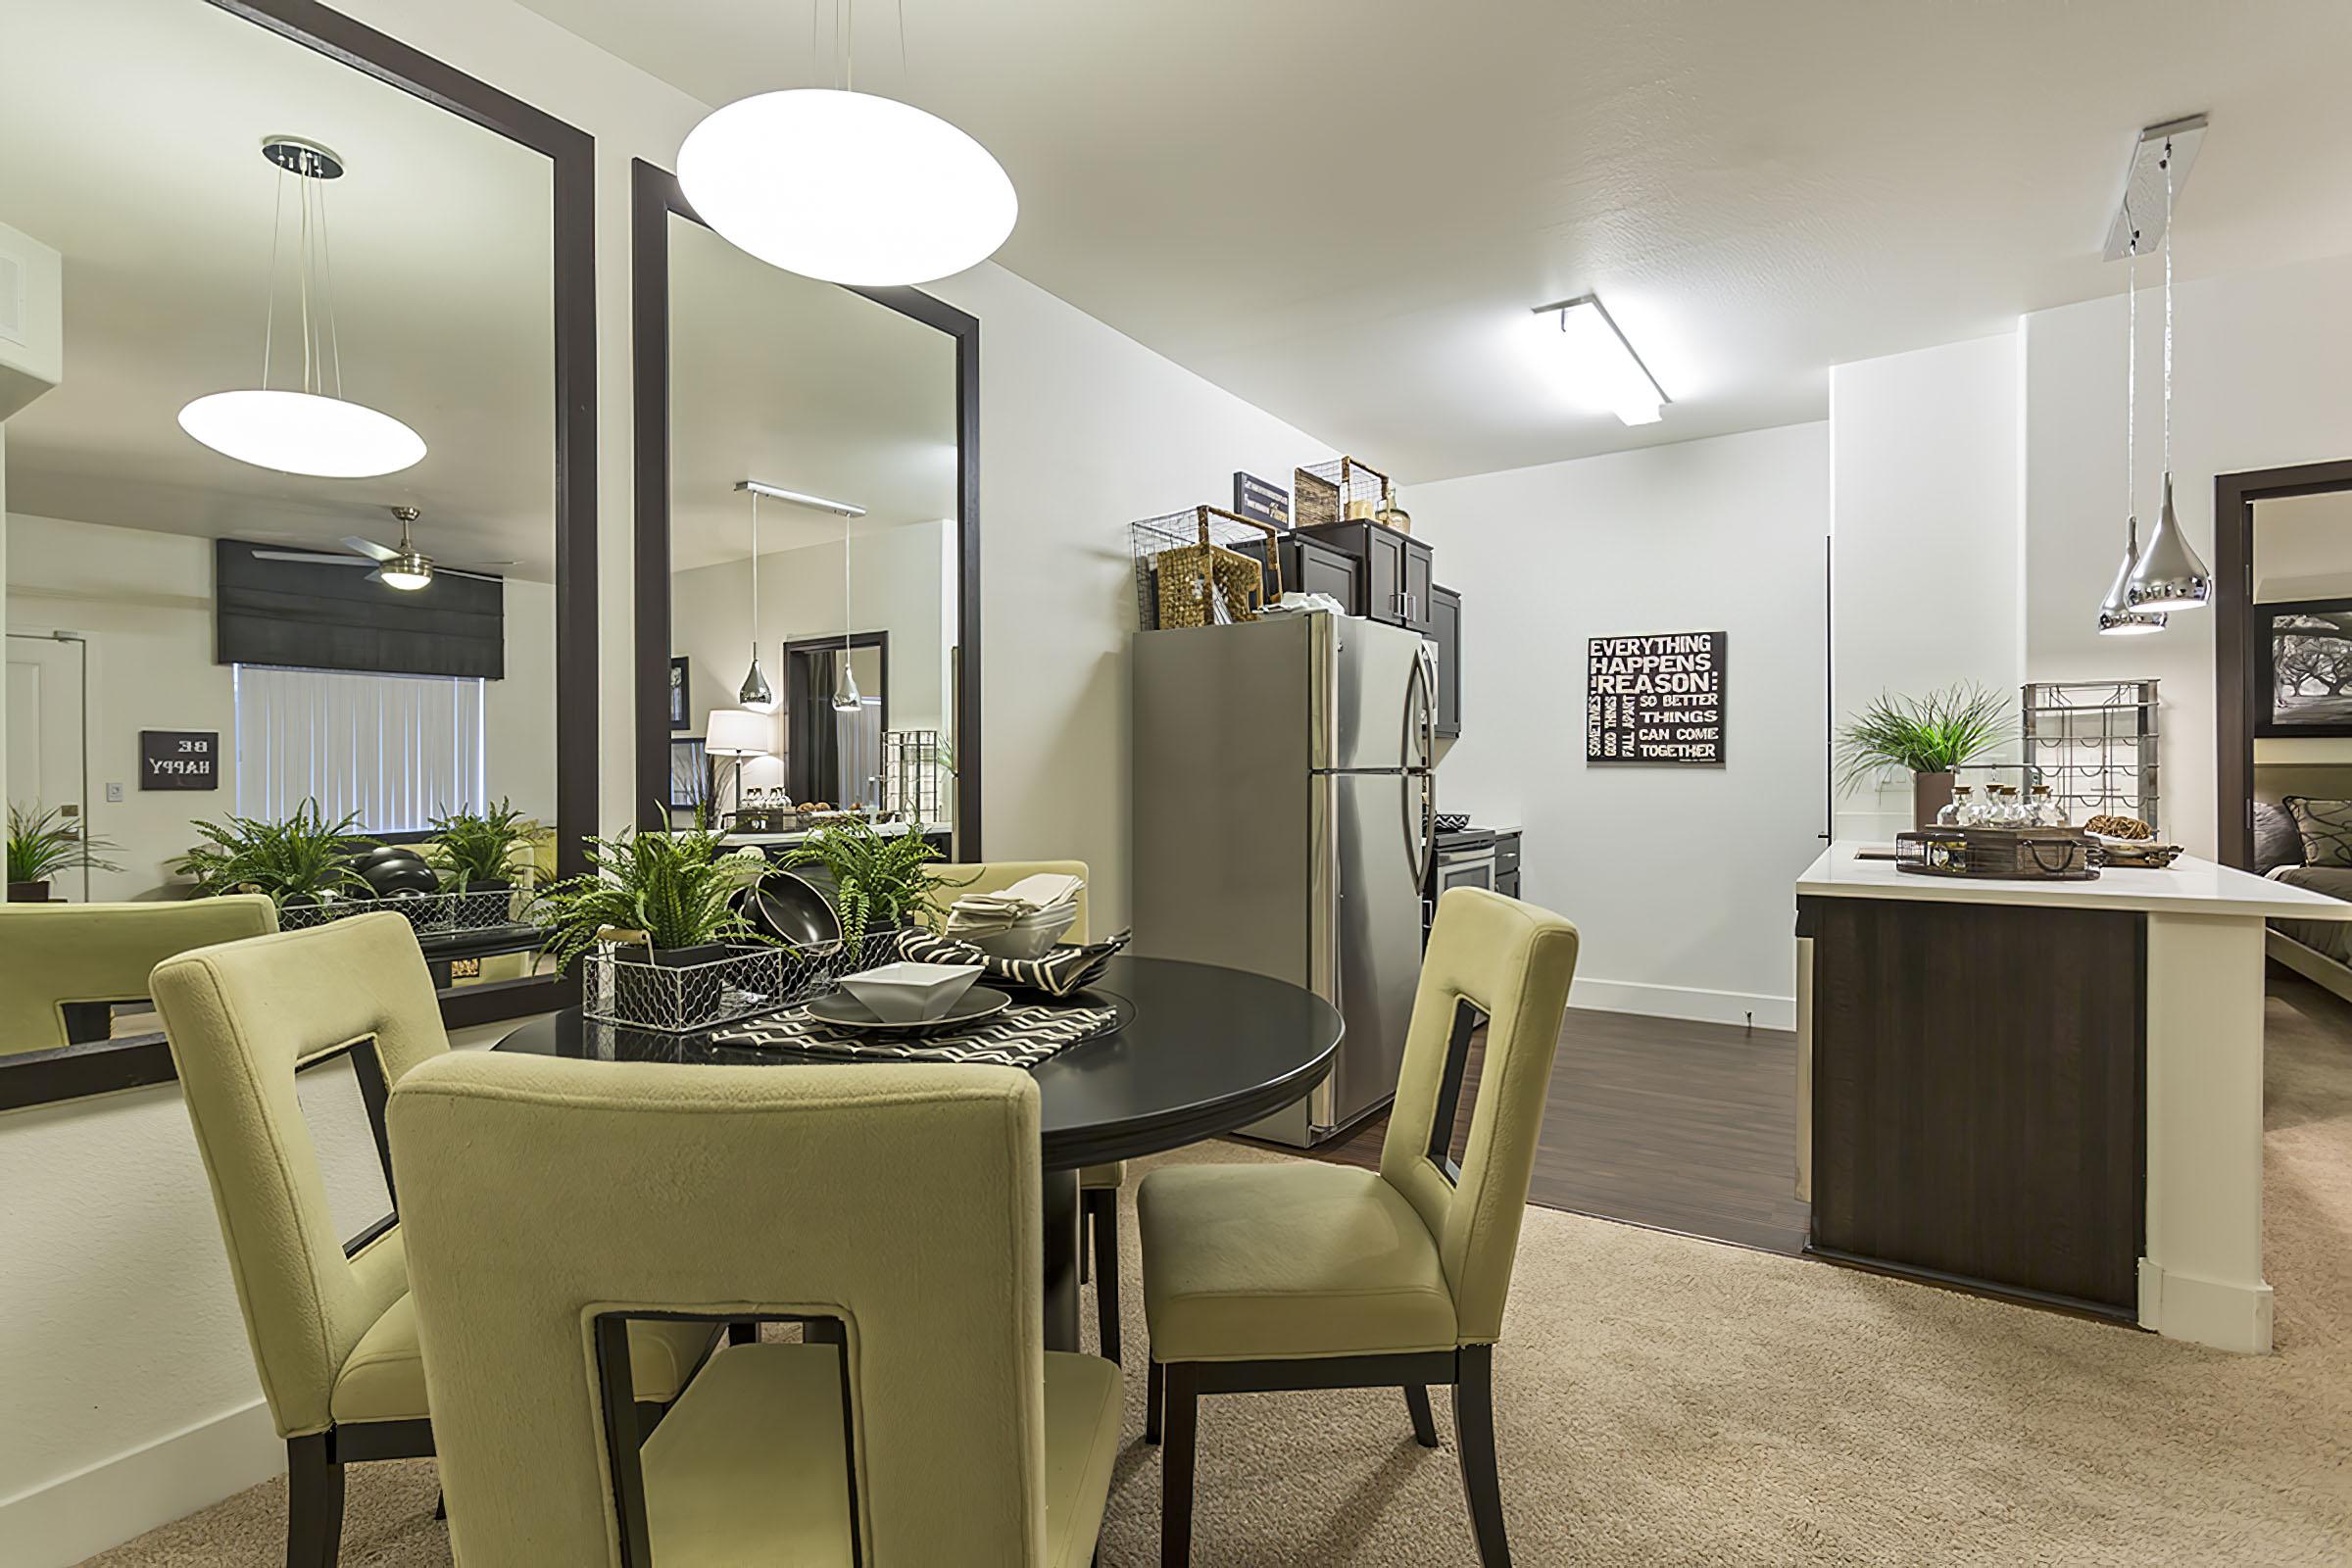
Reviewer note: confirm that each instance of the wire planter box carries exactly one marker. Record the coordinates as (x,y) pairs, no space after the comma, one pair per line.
(431,914)
(1196,567)
(742,983)
(2094,744)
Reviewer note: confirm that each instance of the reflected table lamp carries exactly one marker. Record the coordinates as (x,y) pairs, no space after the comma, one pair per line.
(738,733)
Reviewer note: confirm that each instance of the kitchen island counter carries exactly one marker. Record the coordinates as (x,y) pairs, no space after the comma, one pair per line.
(2050,1091)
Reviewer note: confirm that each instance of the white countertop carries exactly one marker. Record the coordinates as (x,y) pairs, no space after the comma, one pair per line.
(2188,886)
(888,830)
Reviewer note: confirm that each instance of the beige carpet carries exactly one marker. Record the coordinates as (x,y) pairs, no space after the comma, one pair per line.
(1663,1401)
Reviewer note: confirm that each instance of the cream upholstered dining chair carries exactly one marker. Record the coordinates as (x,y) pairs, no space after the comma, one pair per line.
(1097,1185)
(331,1323)
(931,1427)
(54,957)
(1304,1275)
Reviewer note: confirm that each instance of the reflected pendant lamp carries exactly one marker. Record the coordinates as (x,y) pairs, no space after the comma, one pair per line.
(755,692)
(846,186)
(315,430)
(2170,575)
(2117,617)
(846,698)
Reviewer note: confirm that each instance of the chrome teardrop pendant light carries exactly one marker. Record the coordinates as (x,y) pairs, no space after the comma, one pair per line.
(2170,575)
(846,698)
(2117,617)
(755,692)
(317,430)
(845,186)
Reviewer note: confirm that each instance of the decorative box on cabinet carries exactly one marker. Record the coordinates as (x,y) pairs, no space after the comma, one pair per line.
(1444,636)
(1397,570)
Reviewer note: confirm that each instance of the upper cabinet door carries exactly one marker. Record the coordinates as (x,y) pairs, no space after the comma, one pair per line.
(1320,569)
(1445,637)
(1414,581)
(1384,574)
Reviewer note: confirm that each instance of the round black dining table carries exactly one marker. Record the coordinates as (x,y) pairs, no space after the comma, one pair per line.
(1199,1051)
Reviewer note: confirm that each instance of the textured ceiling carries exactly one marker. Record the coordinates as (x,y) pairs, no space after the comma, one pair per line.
(1343,209)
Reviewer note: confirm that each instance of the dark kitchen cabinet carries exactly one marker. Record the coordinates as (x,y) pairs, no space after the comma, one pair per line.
(1506,864)
(1311,567)
(1396,571)
(1445,637)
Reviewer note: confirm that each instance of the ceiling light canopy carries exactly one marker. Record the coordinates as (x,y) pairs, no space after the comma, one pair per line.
(317,430)
(1600,367)
(847,187)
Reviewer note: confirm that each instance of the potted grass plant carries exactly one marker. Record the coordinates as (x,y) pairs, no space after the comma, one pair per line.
(674,890)
(880,881)
(1927,737)
(300,861)
(44,842)
(476,851)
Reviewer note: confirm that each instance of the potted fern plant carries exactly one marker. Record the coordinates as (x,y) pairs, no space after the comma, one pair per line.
(44,842)
(674,890)
(880,882)
(1928,737)
(301,861)
(476,851)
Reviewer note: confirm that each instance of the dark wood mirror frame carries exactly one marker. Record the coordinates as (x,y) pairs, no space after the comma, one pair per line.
(654,198)
(100,1066)
(2236,628)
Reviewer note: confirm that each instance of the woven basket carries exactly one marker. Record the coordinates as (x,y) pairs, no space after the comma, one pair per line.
(1189,574)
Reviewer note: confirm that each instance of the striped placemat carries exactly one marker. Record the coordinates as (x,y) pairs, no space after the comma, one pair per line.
(1018,1037)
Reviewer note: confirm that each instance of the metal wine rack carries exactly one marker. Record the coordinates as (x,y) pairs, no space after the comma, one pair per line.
(2094,744)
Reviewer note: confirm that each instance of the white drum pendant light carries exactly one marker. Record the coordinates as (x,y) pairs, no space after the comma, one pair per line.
(2169,576)
(2117,617)
(316,431)
(847,187)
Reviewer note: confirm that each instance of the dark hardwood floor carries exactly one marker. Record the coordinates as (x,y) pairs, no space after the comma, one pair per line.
(1681,1126)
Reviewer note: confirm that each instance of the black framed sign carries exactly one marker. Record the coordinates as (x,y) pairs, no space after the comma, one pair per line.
(680,713)
(1655,699)
(1260,500)
(2303,668)
(179,759)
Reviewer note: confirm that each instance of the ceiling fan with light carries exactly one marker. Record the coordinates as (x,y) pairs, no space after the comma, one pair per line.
(407,568)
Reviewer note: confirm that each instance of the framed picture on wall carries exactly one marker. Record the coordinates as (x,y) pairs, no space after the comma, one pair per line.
(690,783)
(2303,668)
(681,711)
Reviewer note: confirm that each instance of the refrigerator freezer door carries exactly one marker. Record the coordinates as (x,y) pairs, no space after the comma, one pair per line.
(1379,697)
(1376,828)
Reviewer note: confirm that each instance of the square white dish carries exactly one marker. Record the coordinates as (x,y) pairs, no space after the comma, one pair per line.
(911,992)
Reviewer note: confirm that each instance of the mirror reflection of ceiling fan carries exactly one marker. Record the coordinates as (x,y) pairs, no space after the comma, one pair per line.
(407,568)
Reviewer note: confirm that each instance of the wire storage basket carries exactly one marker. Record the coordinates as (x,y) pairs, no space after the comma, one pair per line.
(619,985)
(1338,491)
(2094,744)
(433,913)
(1202,566)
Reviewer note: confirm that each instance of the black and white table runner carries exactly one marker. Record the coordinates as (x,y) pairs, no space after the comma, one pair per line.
(1018,1037)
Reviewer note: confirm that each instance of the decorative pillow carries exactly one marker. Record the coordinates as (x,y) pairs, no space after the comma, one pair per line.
(2278,840)
(2325,827)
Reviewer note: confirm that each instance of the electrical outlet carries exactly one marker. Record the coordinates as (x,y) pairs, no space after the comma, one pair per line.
(114,795)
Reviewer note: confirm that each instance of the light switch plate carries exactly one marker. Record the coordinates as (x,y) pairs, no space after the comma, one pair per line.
(114,794)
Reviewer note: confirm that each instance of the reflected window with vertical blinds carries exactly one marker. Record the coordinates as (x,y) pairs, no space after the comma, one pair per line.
(396,750)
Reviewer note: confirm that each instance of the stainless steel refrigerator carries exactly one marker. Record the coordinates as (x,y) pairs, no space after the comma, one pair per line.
(1284,823)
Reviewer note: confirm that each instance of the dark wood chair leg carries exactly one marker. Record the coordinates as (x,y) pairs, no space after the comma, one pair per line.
(1155,1389)
(1425,1423)
(441,1507)
(1180,1435)
(1474,1431)
(1105,1247)
(743,1334)
(314,1502)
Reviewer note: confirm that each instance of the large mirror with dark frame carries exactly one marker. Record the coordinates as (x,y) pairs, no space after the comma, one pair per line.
(807,546)
(299,549)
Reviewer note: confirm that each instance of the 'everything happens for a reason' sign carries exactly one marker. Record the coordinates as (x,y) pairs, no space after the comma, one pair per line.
(1654,699)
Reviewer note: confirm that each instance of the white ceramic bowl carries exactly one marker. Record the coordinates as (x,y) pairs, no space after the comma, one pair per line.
(911,992)
(1032,937)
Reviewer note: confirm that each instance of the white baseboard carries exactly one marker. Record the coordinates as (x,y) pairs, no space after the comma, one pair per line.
(61,1522)
(1683,1001)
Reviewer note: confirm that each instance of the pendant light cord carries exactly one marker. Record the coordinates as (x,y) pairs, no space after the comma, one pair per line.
(277,217)
(2167,308)
(2132,393)
(846,617)
(755,576)
(330,352)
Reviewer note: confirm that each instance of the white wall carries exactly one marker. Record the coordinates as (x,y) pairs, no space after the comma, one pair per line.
(1083,429)
(1678,878)
(1926,538)
(144,601)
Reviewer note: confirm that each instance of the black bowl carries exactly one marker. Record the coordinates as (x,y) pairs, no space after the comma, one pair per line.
(789,909)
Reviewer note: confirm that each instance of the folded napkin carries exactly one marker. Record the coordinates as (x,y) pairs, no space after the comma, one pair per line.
(984,913)
(1062,972)
(1018,1037)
